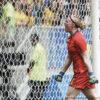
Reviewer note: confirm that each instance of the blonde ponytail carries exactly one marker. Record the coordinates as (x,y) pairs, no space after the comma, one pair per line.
(82,25)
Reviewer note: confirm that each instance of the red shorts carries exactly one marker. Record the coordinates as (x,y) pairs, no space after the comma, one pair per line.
(81,82)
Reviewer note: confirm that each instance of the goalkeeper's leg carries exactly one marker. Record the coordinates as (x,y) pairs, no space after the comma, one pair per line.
(90,94)
(37,90)
(72,93)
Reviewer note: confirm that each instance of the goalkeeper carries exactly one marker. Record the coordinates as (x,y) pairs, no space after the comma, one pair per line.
(83,79)
(37,70)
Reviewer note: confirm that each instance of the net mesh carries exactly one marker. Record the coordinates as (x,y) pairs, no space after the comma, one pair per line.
(18,20)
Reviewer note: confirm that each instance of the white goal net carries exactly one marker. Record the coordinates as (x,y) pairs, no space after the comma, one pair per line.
(19,19)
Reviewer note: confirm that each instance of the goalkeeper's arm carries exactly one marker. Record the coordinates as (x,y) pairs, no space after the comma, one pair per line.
(92,79)
(31,64)
(64,69)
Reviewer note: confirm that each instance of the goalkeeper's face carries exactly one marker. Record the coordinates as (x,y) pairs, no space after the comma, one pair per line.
(68,25)
(33,42)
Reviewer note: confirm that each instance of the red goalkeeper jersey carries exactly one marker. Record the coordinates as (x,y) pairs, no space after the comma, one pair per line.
(76,45)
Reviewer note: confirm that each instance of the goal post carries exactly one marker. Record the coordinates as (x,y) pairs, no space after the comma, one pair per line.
(95,40)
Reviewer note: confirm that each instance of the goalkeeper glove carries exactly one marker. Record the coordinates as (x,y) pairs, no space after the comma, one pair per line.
(59,77)
(92,79)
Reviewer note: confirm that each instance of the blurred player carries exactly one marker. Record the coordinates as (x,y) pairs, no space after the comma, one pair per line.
(83,80)
(8,20)
(8,25)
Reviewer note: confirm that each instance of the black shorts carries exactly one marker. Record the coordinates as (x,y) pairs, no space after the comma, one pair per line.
(37,89)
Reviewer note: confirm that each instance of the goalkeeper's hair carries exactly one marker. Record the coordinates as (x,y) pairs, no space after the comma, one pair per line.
(34,37)
(78,22)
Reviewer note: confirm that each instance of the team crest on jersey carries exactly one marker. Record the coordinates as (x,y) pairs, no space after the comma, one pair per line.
(72,81)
